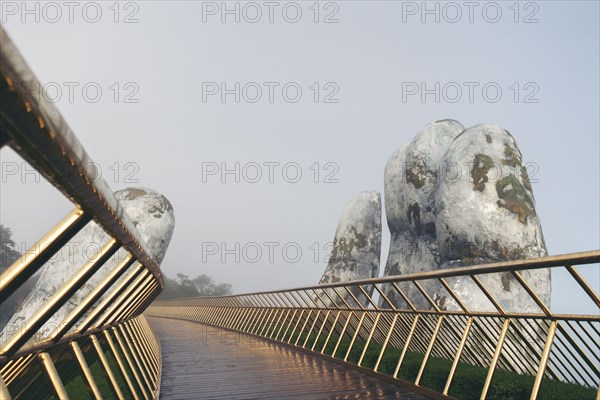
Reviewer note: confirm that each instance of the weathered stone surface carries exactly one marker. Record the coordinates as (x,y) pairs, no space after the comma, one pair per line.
(411,180)
(488,214)
(357,242)
(153,216)
(150,212)
(458,197)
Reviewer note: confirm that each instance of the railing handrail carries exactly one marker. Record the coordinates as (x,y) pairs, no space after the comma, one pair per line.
(580,258)
(47,142)
(108,314)
(524,337)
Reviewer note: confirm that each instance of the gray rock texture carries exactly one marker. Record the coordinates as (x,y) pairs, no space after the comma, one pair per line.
(153,216)
(411,180)
(458,197)
(488,214)
(357,243)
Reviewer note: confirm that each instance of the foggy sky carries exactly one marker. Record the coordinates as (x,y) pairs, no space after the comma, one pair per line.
(170,58)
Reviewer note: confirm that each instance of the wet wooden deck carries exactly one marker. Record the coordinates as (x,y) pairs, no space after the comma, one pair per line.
(201,362)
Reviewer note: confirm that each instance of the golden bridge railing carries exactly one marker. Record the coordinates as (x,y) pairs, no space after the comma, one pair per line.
(106,329)
(346,322)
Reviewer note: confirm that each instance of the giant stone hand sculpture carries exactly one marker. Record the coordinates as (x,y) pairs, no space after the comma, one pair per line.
(458,197)
(357,243)
(153,216)
(411,182)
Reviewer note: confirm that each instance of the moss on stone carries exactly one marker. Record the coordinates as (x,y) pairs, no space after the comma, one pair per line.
(512,156)
(342,248)
(481,166)
(506,254)
(525,178)
(156,212)
(134,193)
(468,253)
(166,203)
(515,198)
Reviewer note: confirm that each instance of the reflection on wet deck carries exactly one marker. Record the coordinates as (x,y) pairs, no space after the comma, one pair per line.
(202,362)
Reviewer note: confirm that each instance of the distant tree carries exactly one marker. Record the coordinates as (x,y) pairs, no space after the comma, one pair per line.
(9,252)
(222,289)
(202,285)
(170,289)
(185,286)
(184,280)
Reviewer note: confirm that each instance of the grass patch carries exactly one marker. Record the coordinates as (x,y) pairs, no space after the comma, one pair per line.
(74,380)
(468,379)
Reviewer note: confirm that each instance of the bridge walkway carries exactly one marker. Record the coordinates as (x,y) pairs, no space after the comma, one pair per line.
(203,362)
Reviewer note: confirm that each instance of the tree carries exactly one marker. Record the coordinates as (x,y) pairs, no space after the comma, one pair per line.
(185,286)
(222,289)
(202,285)
(9,252)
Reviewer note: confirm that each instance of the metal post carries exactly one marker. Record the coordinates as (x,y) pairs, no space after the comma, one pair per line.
(104,362)
(488,379)
(52,374)
(89,378)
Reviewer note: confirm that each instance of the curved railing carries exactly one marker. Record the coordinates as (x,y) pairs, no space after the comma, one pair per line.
(104,341)
(105,348)
(376,326)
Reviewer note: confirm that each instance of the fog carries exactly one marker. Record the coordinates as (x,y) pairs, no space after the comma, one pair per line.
(258,122)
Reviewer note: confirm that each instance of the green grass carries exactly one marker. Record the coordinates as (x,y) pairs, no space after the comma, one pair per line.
(468,379)
(77,388)
(74,381)
(467,383)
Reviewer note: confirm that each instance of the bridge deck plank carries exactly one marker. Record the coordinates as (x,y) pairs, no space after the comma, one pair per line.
(200,362)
